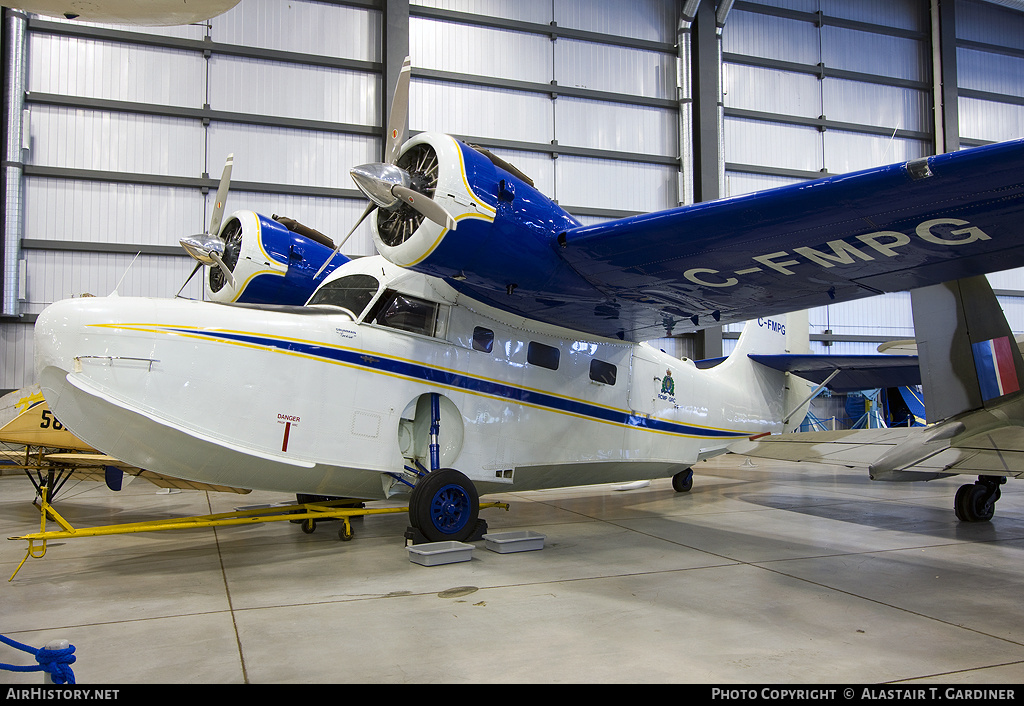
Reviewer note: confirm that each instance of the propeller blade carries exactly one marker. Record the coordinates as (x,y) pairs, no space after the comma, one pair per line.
(369,209)
(207,247)
(223,268)
(194,270)
(399,114)
(222,196)
(427,206)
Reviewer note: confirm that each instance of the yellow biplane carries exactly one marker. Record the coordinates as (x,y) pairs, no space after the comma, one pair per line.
(33,439)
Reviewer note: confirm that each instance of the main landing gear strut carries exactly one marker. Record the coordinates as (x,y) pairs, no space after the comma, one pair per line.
(444,505)
(977,502)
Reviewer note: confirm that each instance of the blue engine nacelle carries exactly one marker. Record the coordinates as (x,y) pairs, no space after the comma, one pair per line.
(273,260)
(506,235)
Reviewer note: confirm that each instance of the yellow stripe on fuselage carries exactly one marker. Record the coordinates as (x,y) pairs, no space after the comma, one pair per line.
(211,335)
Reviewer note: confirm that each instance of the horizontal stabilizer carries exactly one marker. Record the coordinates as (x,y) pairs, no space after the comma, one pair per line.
(854,448)
(924,452)
(997,452)
(855,372)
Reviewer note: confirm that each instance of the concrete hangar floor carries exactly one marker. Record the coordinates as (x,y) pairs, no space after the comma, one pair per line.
(760,575)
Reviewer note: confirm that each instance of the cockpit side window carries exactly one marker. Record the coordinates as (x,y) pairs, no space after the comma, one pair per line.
(406,313)
(351,293)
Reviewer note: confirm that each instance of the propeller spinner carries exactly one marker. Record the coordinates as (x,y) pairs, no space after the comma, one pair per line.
(208,248)
(387,185)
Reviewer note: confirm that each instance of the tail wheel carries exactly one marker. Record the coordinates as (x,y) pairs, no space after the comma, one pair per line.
(682,482)
(976,503)
(445,506)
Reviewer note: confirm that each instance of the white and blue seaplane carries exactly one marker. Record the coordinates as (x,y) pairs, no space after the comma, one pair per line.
(495,343)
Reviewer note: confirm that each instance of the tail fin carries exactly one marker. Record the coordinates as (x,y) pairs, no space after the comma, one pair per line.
(967,353)
(774,336)
(787,394)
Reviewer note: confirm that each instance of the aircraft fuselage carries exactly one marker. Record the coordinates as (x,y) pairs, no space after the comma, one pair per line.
(321,399)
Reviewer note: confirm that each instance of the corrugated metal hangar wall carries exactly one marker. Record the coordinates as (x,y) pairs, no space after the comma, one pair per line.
(116,135)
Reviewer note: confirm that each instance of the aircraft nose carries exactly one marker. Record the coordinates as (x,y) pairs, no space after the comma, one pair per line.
(61,330)
(51,332)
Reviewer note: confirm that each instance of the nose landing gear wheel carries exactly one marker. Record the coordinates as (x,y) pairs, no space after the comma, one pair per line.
(444,506)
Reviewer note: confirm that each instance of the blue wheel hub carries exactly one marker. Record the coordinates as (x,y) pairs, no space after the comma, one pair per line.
(450,509)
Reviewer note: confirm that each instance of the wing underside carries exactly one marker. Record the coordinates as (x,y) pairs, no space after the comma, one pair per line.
(853,448)
(838,239)
(998,452)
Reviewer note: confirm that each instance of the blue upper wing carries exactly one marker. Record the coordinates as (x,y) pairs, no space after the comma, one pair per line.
(836,239)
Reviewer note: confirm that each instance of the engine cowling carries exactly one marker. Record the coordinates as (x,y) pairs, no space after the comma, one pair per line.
(273,260)
(506,235)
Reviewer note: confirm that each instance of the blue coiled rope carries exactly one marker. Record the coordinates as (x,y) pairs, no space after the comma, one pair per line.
(56,663)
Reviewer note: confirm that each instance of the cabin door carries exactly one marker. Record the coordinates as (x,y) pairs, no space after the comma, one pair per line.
(652,390)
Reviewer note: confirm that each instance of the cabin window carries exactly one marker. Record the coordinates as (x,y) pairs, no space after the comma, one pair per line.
(483,339)
(351,293)
(602,372)
(406,313)
(542,355)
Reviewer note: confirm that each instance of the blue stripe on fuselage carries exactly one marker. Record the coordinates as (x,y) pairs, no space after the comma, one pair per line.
(461,381)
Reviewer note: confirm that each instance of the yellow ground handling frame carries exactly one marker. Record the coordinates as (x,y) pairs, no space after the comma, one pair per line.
(306,513)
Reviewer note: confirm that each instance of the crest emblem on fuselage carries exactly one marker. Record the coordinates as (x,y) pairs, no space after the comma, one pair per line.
(668,386)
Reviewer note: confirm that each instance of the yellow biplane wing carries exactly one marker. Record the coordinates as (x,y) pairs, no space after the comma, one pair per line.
(34,440)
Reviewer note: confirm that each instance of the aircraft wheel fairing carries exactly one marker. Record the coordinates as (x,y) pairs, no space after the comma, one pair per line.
(444,506)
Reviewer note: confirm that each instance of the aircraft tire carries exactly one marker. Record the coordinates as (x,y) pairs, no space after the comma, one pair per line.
(682,482)
(444,506)
(970,503)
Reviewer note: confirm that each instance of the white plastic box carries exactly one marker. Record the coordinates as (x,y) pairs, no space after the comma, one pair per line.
(509,542)
(437,553)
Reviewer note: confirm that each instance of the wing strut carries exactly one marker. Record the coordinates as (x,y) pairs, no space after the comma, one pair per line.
(811,396)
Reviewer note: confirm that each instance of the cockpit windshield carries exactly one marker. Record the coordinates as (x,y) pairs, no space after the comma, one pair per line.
(406,313)
(351,293)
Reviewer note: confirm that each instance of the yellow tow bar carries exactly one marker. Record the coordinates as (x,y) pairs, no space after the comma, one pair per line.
(299,512)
